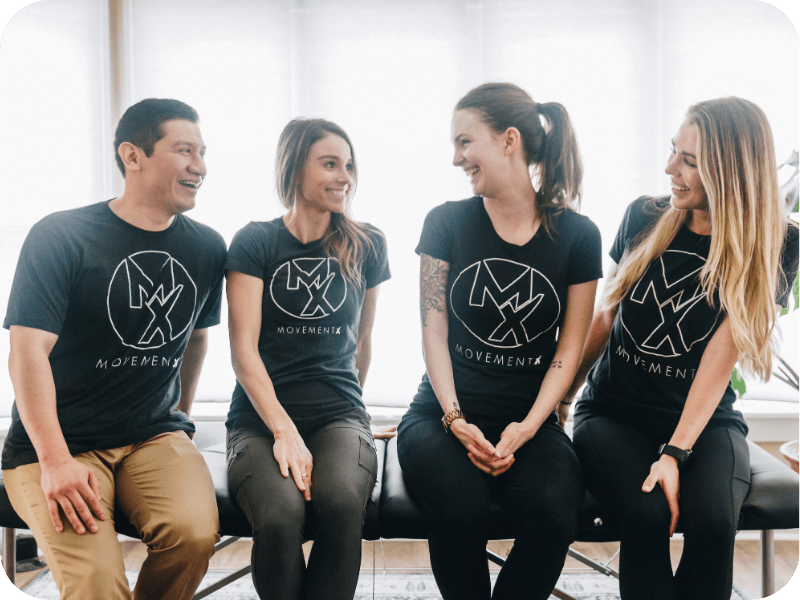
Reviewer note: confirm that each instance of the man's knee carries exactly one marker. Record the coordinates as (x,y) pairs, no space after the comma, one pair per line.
(195,531)
(198,535)
(97,580)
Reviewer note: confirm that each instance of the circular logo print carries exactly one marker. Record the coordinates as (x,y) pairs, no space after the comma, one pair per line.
(151,300)
(503,303)
(308,288)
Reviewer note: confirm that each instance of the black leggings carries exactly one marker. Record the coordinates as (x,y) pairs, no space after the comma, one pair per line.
(345,466)
(541,494)
(616,459)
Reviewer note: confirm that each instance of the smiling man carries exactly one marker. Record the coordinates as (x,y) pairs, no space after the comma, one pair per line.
(108,316)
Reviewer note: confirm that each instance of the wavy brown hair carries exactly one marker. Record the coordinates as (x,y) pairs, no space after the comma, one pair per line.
(346,240)
(736,162)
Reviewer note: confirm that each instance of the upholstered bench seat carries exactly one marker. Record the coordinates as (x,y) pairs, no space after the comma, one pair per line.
(771,504)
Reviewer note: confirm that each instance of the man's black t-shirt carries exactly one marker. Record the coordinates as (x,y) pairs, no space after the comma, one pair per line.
(123,302)
(661,330)
(505,302)
(309,312)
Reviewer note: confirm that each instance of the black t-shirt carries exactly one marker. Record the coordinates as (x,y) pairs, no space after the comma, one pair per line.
(309,312)
(123,302)
(505,302)
(661,330)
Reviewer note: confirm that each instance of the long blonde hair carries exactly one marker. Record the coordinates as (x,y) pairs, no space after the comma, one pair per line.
(346,239)
(736,162)
(553,153)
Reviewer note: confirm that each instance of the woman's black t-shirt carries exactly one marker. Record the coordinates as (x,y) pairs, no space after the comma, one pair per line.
(309,312)
(661,329)
(505,302)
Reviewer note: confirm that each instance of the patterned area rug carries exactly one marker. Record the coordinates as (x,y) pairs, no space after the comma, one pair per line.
(388,586)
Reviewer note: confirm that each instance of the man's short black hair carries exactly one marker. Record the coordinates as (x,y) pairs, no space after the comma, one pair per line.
(141,124)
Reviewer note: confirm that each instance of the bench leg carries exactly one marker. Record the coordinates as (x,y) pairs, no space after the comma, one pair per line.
(10,553)
(767,562)
(227,541)
(222,582)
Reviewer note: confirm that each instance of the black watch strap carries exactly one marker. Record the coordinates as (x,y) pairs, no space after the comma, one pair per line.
(677,453)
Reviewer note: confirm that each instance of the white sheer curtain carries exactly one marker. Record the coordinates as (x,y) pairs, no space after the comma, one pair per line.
(55,147)
(389,73)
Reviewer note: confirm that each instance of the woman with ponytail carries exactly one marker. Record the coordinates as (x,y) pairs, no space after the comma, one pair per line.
(694,290)
(302,291)
(507,286)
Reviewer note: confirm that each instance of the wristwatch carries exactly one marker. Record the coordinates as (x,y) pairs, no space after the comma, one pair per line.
(678,454)
(448,419)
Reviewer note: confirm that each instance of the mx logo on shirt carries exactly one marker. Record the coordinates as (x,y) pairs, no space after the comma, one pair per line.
(151,300)
(503,303)
(666,313)
(308,288)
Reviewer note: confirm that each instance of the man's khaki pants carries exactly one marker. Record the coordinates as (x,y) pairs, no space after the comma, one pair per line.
(164,488)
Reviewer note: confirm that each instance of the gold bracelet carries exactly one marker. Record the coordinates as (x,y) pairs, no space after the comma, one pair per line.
(448,419)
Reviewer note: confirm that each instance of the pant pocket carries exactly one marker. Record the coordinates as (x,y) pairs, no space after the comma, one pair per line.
(239,467)
(368,456)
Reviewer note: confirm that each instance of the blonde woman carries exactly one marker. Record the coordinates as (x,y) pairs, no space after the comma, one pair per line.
(694,290)
(302,291)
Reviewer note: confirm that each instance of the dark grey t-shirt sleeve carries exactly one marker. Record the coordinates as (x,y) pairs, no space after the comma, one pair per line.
(210,312)
(639,215)
(249,251)
(376,265)
(436,239)
(43,279)
(585,261)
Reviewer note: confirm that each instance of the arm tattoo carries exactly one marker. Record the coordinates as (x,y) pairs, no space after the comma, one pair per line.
(432,286)
(556,364)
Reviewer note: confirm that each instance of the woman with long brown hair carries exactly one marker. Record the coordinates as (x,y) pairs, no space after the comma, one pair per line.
(302,292)
(507,284)
(694,290)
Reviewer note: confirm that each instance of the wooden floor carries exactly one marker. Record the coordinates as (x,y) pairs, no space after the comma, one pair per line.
(413,555)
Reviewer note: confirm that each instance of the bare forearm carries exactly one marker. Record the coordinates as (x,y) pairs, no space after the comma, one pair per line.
(708,387)
(35,393)
(555,384)
(704,397)
(191,365)
(599,332)
(363,359)
(433,275)
(252,375)
(440,369)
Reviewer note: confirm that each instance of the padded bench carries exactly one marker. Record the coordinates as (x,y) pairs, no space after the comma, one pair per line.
(771,504)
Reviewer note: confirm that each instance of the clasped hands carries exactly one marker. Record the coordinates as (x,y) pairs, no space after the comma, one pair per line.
(488,458)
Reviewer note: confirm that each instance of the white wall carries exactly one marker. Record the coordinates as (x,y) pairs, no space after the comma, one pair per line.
(389,73)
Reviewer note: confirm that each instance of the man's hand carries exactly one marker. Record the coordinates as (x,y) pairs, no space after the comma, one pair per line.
(72,486)
(665,472)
